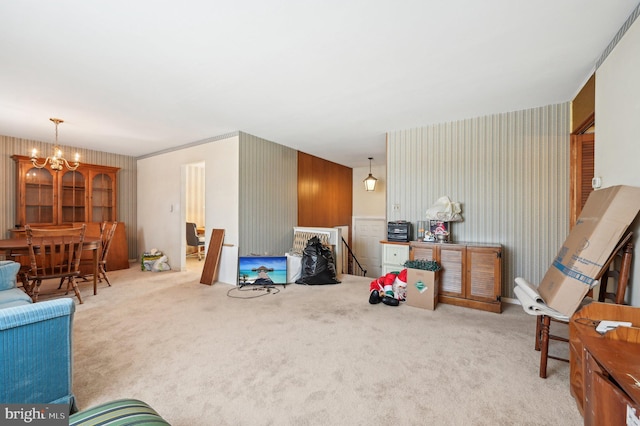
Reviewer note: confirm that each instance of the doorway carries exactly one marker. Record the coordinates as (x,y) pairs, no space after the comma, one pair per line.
(194,209)
(367,234)
(582,168)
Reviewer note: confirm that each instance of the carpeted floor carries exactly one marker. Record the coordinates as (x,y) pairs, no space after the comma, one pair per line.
(308,355)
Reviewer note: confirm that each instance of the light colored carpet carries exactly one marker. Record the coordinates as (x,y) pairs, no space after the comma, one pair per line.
(308,355)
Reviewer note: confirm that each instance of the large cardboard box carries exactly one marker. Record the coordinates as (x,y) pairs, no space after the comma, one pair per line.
(602,223)
(422,288)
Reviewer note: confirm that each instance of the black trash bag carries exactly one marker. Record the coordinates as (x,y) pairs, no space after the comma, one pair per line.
(317,264)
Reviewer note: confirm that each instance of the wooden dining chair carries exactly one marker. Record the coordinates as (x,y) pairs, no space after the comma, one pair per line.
(618,265)
(195,240)
(54,254)
(107,237)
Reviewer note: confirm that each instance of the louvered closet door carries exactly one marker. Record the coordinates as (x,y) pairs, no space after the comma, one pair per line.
(582,172)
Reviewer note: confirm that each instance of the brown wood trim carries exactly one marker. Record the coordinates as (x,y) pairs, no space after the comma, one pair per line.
(586,124)
(495,307)
(574,178)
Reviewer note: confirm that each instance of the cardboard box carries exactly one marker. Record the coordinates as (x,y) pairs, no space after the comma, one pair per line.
(422,288)
(602,223)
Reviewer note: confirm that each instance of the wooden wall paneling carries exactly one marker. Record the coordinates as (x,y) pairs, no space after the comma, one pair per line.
(325,191)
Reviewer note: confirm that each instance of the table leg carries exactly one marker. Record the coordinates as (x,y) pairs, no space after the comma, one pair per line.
(95,271)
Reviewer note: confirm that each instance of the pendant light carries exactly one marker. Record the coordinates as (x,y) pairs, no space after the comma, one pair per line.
(370,181)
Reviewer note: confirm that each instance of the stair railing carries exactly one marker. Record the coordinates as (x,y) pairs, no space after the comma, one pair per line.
(353,267)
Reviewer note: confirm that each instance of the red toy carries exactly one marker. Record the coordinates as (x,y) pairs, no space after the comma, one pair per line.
(389,289)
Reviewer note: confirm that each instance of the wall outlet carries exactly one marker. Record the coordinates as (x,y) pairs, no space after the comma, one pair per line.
(596,182)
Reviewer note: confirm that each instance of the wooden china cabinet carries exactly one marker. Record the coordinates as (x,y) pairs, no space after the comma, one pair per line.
(47,197)
(67,198)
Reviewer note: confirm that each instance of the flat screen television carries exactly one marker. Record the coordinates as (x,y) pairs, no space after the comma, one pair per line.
(262,270)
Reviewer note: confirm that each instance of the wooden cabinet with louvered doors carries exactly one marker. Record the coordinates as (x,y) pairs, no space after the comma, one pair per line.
(471,273)
(484,274)
(452,260)
(46,197)
(423,252)
(103,195)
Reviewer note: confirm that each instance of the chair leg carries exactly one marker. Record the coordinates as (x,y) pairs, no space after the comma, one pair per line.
(72,283)
(26,285)
(538,331)
(103,274)
(544,345)
(36,290)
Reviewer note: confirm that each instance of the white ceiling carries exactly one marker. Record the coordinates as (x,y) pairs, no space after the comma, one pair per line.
(325,77)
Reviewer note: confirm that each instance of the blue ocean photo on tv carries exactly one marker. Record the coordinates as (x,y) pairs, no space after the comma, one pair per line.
(261,270)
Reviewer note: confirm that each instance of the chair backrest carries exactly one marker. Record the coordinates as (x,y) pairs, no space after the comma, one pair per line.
(192,234)
(54,252)
(107,237)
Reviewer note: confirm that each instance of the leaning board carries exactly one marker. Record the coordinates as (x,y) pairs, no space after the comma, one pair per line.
(212,261)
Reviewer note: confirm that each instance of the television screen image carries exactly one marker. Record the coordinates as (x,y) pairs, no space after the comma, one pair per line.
(262,270)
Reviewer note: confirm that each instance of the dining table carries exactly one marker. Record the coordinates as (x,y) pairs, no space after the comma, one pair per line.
(12,247)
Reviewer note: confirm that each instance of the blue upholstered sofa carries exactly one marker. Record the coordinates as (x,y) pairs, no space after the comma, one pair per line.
(36,358)
(35,353)
(35,345)
(10,295)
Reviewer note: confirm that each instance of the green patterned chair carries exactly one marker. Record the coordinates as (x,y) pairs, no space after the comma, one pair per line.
(118,413)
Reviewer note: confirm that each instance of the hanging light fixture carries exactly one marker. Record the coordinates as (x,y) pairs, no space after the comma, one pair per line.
(57,161)
(370,181)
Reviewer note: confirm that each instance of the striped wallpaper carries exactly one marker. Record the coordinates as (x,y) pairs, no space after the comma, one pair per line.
(268,196)
(509,171)
(195,194)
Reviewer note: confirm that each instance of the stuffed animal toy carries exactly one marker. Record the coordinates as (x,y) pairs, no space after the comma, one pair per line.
(384,289)
(400,286)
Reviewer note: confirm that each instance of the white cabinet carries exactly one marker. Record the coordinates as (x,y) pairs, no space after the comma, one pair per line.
(393,256)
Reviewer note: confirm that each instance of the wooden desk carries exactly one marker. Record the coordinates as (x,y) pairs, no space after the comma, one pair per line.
(19,247)
(612,369)
(605,369)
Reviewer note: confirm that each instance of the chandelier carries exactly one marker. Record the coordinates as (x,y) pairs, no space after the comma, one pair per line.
(57,161)
(370,181)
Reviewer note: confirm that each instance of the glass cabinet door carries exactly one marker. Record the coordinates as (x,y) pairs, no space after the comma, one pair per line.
(39,196)
(102,198)
(73,197)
